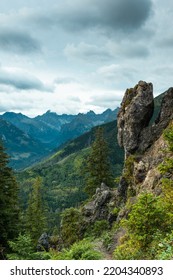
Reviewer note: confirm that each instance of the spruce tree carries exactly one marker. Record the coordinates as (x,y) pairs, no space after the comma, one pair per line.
(35,213)
(8,202)
(98,166)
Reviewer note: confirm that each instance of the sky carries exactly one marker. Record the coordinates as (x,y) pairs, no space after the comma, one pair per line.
(72,56)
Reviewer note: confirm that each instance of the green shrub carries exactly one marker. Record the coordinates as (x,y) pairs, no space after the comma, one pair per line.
(100,227)
(23,249)
(107,240)
(147,215)
(168,135)
(128,169)
(165,248)
(82,250)
(72,226)
(130,249)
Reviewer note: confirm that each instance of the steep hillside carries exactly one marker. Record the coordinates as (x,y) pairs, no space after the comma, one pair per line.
(63,172)
(23,150)
(84,122)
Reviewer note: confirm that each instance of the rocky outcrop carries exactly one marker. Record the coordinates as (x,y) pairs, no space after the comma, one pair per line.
(134,132)
(144,145)
(43,243)
(150,134)
(99,208)
(135,113)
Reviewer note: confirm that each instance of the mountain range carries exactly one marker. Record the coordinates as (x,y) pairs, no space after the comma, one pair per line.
(28,140)
(62,171)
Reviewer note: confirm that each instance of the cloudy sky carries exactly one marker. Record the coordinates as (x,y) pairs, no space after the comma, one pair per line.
(73,56)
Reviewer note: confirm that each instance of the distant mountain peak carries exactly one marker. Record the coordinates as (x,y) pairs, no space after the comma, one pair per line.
(91,113)
(49,112)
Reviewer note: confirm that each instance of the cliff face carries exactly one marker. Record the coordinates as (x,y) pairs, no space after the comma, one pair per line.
(144,144)
(135,113)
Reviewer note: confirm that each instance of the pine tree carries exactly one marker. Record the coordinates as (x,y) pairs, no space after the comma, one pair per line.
(98,166)
(35,213)
(8,202)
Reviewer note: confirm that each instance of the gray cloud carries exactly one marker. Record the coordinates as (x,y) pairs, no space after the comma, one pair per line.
(21,81)
(165,42)
(87,51)
(65,80)
(127,49)
(106,99)
(19,42)
(121,15)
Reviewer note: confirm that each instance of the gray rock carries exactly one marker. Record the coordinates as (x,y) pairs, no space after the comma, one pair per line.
(134,116)
(139,138)
(150,134)
(135,113)
(97,209)
(43,243)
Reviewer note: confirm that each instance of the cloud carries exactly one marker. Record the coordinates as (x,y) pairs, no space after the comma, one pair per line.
(117,72)
(77,15)
(87,51)
(65,80)
(21,81)
(104,99)
(126,15)
(128,49)
(18,42)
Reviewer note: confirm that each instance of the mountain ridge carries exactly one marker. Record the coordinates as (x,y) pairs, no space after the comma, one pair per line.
(49,131)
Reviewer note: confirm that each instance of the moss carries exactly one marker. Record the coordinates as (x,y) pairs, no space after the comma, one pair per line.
(167,165)
(168,136)
(130,90)
(129,97)
(131,192)
(128,168)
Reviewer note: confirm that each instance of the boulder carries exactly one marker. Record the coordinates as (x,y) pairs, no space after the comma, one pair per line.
(98,209)
(43,243)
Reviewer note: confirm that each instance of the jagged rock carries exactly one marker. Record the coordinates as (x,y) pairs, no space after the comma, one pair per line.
(140,170)
(143,142)
(122,188)
(43,243)
(150,134)
(98,209)
(135,113)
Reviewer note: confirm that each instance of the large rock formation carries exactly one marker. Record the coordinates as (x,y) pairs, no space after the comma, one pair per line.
(135,113)
(144,145)
(134,132)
